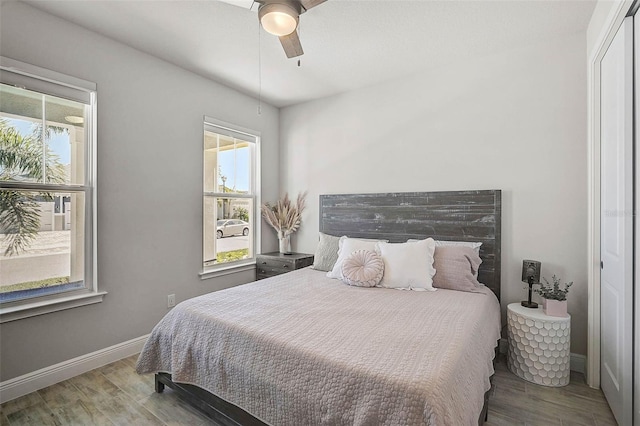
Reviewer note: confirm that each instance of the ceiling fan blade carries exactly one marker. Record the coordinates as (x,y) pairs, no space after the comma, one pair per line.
(245,4)
(308,4)
(291,45)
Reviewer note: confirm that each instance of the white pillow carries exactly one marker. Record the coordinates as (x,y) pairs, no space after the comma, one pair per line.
(408,265)
(439,243)
(347,246)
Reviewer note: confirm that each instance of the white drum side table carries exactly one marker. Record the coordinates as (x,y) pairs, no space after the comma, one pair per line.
(539,345)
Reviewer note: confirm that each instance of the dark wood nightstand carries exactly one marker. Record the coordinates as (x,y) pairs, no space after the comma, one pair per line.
(272,264)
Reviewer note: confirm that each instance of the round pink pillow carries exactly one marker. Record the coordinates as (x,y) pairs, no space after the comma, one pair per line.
(363,268)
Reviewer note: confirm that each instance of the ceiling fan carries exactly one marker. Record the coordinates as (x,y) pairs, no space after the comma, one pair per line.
(280,18)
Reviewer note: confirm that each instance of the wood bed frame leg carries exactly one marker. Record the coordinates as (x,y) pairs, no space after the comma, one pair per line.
(159,384)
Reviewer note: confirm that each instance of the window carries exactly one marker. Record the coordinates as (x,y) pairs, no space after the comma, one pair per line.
(230,196)
(47,221)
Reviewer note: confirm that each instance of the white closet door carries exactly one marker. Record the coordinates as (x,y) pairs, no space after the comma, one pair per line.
(616,296)
(636,357)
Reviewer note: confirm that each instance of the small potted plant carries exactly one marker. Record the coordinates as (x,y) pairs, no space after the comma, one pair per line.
(554,298)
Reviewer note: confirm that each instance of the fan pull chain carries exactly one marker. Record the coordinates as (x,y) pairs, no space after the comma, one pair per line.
(259,70)
(299,29)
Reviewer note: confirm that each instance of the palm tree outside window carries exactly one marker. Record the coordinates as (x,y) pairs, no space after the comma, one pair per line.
(47,225)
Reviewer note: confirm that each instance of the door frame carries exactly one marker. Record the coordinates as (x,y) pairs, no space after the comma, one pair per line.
(610,27)
(636,206)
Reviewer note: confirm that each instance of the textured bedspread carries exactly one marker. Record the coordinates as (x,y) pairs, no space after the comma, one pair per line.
(302,349)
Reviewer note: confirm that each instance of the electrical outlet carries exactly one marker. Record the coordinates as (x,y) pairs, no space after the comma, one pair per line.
(171,301)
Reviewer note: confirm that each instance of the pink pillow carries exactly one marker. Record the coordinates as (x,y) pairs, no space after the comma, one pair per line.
(456,268)
(363,268)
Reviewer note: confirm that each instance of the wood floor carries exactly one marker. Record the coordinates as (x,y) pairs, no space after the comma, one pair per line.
(116,395)
(514,401)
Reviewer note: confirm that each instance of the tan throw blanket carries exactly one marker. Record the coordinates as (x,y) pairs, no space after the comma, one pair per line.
(302,349)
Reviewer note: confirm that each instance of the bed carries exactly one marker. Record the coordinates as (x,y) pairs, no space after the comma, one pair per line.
(301,348)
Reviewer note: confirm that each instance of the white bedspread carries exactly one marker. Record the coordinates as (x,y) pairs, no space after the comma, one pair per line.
(302,349)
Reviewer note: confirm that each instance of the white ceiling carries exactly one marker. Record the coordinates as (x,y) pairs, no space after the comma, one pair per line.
(348,44)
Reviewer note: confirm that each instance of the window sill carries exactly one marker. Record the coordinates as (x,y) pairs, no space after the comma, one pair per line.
(27,310)
(226,270)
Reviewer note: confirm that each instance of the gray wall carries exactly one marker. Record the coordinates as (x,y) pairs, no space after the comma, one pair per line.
(149,185)
(514,121)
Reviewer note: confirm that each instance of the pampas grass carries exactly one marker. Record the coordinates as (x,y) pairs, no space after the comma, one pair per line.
(284,216)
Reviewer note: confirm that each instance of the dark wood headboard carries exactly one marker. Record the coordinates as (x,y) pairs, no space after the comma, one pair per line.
(399,216)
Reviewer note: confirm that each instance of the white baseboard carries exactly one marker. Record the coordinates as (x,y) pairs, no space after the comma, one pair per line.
(577,362)
(31,382)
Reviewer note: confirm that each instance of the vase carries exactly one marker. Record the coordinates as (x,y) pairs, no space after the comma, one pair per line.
(555,308)
(284,244)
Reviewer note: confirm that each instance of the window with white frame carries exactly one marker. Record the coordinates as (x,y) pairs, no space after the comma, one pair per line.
(229,196)
(47,189)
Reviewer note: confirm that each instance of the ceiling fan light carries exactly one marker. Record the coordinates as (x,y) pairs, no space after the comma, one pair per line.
(278,19)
